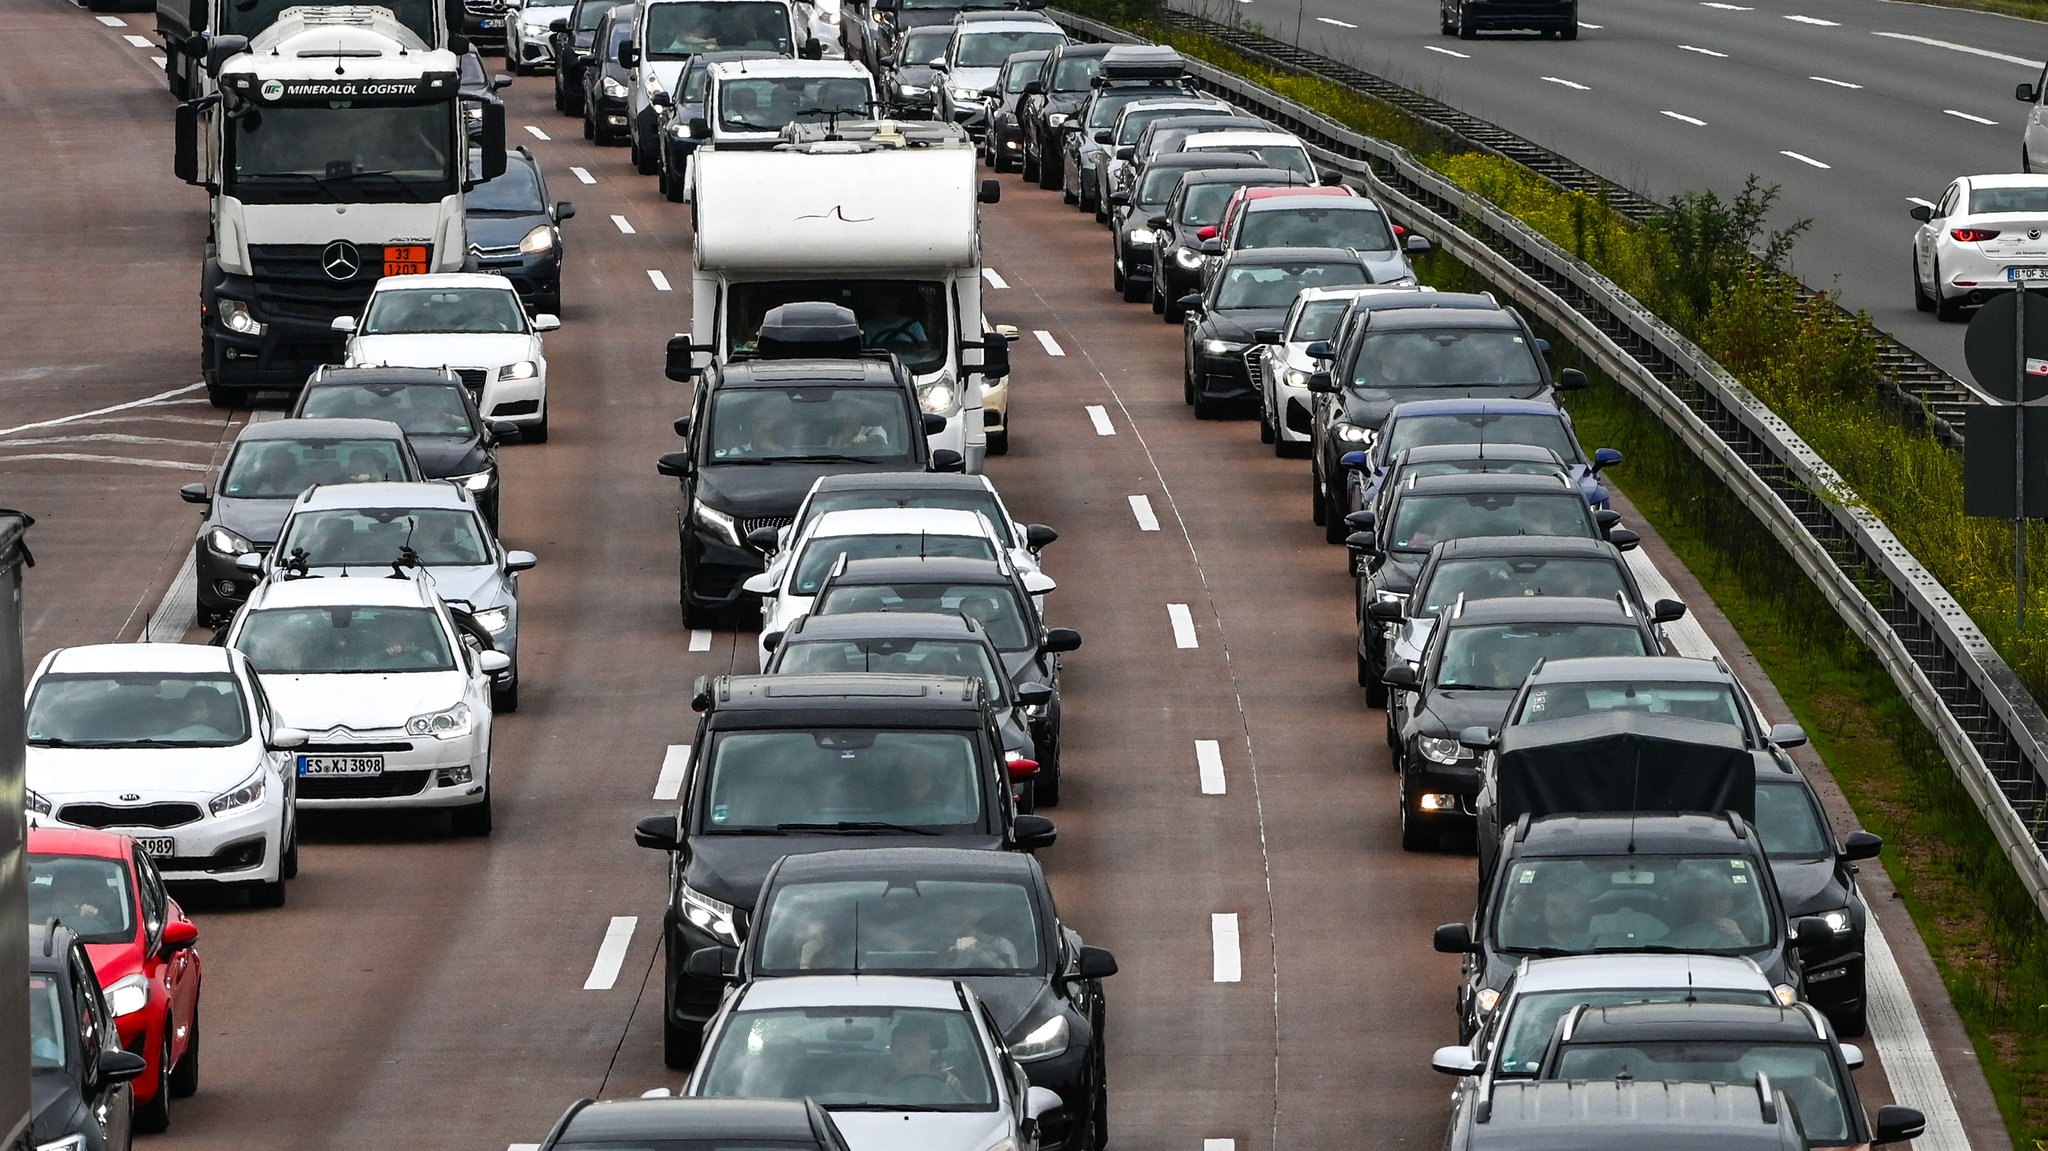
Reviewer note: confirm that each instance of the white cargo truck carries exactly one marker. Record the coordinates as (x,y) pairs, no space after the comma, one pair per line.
(188,27)
(880,218)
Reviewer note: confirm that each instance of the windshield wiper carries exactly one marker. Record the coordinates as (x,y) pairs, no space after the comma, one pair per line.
(892,1107)
(831,459)
(857,825)
(299,177)
(746,831)
(411,192)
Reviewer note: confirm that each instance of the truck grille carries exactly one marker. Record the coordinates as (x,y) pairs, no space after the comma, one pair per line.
(483,7)
(146,815)
(387,786)
(296,285)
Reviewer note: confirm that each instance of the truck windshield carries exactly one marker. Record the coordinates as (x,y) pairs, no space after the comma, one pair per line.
(342,152)
(248,17)
(907,317)
(765,104)
(678,31)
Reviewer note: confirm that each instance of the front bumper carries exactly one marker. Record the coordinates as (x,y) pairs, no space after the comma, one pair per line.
(485,30)
(241,845)
(1222,377)
(691,1001)
(1459,782)
(1064,1075)
(1834,979)
(531,50)
(222,587)
(297,314)
(418,773)
(715,568)
(675,155)
(1293,414)
(608,113)
(533,276)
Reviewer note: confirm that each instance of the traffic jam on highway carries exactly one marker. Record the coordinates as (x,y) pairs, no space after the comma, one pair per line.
(860,948)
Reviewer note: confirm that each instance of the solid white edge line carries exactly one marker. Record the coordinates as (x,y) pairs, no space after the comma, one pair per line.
(1447,51)
(611,954)
(1099,416)
(139,41)
(994,281)
(1209,765)
(174,612)
(1805,159)
(1183,625)
(1229,965)
(536,132)
(1693,120)
(624,225)
(1987,53)
(700,639)
(1836,83)
(1141,510)
(1967,116)
(1051,346)
(660,281)
(582,175)
(675,765)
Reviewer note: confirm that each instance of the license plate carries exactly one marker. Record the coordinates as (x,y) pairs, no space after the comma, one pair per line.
(341,765)
(405,260)
(2039,272)
(493,24)
(157,846)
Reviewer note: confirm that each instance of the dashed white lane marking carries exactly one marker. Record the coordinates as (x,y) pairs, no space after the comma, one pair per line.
(1967,116)
(536,132)
(1209,763)
(139,41)
(159,61)
(1594,27)
(611,953)
(1141,509)
(1219,1145)
(1920,202)
(90,458)
(1835,82)
(994,281)
(1099,416)
(1694,121)
(522,1147)
(700,639)
(1051,346)
(1704,51)
(1183,625)
(1229,967)
(1987,53)
(660,281)
(1336,23)
(624,225)
(1804,159)
(1725,7)
(674,766)
(582,175)
(1815,20)
(1572,84)
(122,407)
(112,21)
(1447,51)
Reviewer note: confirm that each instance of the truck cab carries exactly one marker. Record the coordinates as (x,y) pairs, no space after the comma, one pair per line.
(187,27)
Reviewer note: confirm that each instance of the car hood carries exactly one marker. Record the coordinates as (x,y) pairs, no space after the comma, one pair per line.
(1808,886)
(1238,324)
(69,773)
(1370,410)
(444,456)
(1067,102)
(773,489)
(501,229)
(975,78)
(54,1095)
(921,1130)
(917,75)
(360,702)
(480,585)
(257,521)
(731,867)
(1451,711)
(114,961)
(443,349)
(1010,998)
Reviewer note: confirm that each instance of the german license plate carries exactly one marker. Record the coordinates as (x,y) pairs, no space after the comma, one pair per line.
(341,765)
(157,846)
(2037,272)
(405,260)
(492,23)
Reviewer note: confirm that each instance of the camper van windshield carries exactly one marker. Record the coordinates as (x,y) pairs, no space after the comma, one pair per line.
(907,317)
(678,31)
(766,104)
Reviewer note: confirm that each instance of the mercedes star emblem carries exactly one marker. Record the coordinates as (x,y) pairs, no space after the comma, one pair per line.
(341,261)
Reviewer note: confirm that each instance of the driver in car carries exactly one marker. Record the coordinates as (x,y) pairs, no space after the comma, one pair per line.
(914,1064)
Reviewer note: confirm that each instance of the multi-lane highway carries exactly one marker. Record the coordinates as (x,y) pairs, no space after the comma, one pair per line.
(1854,107)
(1229,825)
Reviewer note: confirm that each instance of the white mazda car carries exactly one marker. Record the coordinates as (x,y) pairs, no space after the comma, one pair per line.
(395,702)
(1981,237)
(471,322)
(173,744)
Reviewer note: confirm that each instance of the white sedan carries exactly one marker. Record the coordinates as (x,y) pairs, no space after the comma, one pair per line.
(397,706)
(174,745)
(1983,234)
(470,322)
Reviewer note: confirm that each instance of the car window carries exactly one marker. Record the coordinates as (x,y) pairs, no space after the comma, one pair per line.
(1158,186)
(46,1033)
(1789,823)
(1497,657)
(1103,109)
(91,1011)
(156,903)
(990,49)
(1075,74)
(1136,120)
(1359,228)
(762,425)
(377,537)
(281,469)
(896,656)
(1436,357)
(1016,75)
(518,190)
(1703,702)
(1275,285)
(1505,577)
(907,318)
(1804,1072)
(420,409)
(136,709)
(412,311)
(589,16)
(765,104)
(924,45)
(1317,319)
(1532,1018)
(1565,906)
(994,607)
(345,639)
(870,1058)
(909,927)
(91,896)
(1204,203)
(681,30)
(766,779)
(972,499)
(1541,431)
(822,552)
(1422,520)
(1985,201)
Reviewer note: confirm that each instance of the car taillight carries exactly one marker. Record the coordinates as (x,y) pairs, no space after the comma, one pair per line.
(1973,235)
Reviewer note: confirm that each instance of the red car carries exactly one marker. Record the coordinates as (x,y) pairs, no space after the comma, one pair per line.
(103,887)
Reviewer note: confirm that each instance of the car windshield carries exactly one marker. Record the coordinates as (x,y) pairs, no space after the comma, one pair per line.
(93,897)
(46,1047)
(1532,1017)
(375,537)
(656,1143)
(966,499)
(822,552)
(518,190)
(853,1059)
(898,656)
(411,311)
(1991,201)
(907,318)
(136,709)
(1387,361)
(1497,657)
(1422,520)
(1706,702)
(1103,109)
(1275,285)
(763,104)
(1317,319)
(281,469)
(1136,120)
(903,926)
(994,607)
(1021,72)
(1569,906)
(1505,577)
(1075,74)
(677,31)
(1789,823)
(989,49)
(1803,1071)
(767,425)
(345,639)
(590,15)
(1535,430)
(924,45)
(1363,229)
(763,780)
(1286,157)
(1550,467)
(419,409)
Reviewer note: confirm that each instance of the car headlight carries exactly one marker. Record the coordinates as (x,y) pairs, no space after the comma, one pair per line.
(235,316)
(474,114)
(494,619)
(454,723)
(476,481)
(939,398)
(1043,1041)
(128,995)
(912,90)
(716,522)
(522,370)
(37,803)
(1221,347)
(1143,236)
(1351,433)
(1382,595)
(68,1143)
(541,239)
(1838,920)
(1057,120)
(612,88)
(1295,378)
(243,794)
(964,94)
(228,543)
(1187,258)
(711,916)
(1439,750)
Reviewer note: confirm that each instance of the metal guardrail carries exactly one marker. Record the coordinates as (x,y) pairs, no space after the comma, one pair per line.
(1992,731)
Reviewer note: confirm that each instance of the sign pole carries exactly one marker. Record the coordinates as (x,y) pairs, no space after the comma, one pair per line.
(2019,461)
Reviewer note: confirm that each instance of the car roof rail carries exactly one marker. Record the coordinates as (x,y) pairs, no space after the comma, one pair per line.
(1522,827)
(1766,1098)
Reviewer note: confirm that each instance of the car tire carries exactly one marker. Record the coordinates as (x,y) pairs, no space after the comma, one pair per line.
(1133,290)
(1414,837)
(1315,499)
(219,397)
(1946,310)
(995,155)
(643,163)
(1569,30)
(1045,786)
(697,616)
(1049,177)
(1205,407)
(185,1075)
(474,821)
(1117,279)
(1027,167)
(561,97)
(1444,23)
(1158,296)
(536,433)
(1393,734)
(1851,1024)
(589,124)
(1334,527)
(575,103)
(269,894)
(288,863)
(1173,313)
(1187,386)
(681,1043)
(155,1115)
(1466,27)
(999,442)
(1266,433)
(507,701)
(1921,299)
(675,189)
(1098,1115)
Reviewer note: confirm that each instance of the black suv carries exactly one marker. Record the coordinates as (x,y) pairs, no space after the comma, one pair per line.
(1586,884)
(1195,207)
(78,1071)
(1628,1116)
(1052,103)
(571,38)
(785,765)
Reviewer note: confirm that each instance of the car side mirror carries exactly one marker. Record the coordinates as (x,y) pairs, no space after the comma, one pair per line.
(1606,518)
(764,539)
(1192,302)
(1102,136)
(1571,380)
(118,1066)
(1453,939)
(493,662)
(1604,458)
(1206,232)
(346,325)
(1401,675)
(1896,1124)
(1477,738)
(2024,93)
(1459,1061)
(680,360)
(221,49)
(250,562)
(934,424)
(565,210)
(547,322)
(713,963)
(505,432)
(1861,845)
(1624,540)
(1038,583)
(1034,87)
(1322,384)
(1355,461)
(178,935)
(1811,931)
(699,128)
(1095,963)
(558,25)
(1158,223)
(500,82)
(1266,336)
(676,464)
(772,640)
(659,833)
(1211,247)
(948,460)
(1038,537)
(813,50)
(1034,694)
(1852,1056)
(1041,1101)
(521,561)
(682,426)
(1385,611)
(1666,611)
(286,738)
(1320,350)
(628,54)
(1060,639)
(991,93)
(1420,245)
(1364,519)
(1330,178)
(663,100)
(1787,735)
(1922,212)
(1119,199)
(1034,832)
(1362,543)
(760,583)
(195,494)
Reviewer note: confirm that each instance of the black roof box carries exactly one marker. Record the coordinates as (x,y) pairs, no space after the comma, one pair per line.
(809,330)
(1135,63)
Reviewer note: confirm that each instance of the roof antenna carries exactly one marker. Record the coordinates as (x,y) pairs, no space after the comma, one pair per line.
(856,936)
(1635,798)
(1691,993)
